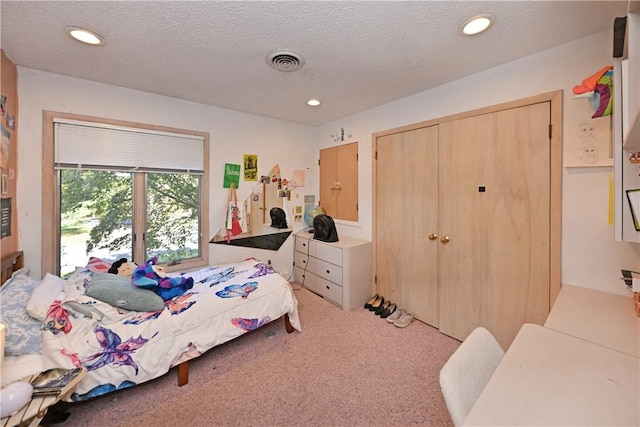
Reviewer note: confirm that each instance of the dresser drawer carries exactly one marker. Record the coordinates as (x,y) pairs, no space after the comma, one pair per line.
(328,290)
(302,245)
(328,253)
(327,270)
(305,278)
(304,261)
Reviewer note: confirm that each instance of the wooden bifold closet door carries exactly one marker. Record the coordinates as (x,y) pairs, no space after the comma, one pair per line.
(494,207)
(407,211)
(463,221)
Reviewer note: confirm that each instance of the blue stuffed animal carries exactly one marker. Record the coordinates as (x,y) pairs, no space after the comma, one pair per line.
(153,277)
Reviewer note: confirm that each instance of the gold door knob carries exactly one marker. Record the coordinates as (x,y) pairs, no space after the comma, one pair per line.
(445,239)
(433,236)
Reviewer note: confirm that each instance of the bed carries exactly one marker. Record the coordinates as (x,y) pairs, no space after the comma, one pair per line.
(121,348)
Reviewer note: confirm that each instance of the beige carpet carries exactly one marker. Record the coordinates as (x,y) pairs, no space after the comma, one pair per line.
(344,369)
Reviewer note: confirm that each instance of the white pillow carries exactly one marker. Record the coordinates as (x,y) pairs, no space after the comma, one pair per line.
(43,295)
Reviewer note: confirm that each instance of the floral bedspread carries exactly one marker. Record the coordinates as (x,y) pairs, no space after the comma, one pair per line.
(123,348)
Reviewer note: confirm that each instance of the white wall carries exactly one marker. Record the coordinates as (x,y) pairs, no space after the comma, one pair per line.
(232,134)
(590,256)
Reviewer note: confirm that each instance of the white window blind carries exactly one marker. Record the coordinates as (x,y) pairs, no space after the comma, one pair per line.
(89,145)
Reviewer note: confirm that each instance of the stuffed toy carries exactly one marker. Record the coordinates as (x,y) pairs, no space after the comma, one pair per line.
(153,277)
(598,89)
(123,268)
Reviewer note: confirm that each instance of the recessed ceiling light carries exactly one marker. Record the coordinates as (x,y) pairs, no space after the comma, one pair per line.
(313,102)
(85,36)
(476,25)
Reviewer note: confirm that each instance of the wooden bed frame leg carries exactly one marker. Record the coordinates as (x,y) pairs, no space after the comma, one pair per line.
(183,373)
(287,323)
(183,368)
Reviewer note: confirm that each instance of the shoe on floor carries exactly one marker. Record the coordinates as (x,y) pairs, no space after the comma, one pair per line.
(371,301)
(388,311)
(394,316)
(404,320)
(383,307)
(376,304)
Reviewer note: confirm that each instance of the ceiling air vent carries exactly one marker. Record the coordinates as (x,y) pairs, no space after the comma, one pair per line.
(285,60)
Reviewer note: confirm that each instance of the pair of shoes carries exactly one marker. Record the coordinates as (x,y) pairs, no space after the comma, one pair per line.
(377,303)
(388,311)
(383,307)
(404,320)
(371,301)
(395,316)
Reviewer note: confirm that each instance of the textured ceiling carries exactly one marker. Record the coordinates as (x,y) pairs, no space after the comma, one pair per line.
(358,54)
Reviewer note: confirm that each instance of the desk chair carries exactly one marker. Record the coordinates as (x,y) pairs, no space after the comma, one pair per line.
(467,372)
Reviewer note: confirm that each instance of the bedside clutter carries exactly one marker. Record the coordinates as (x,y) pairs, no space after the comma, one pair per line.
(581,368)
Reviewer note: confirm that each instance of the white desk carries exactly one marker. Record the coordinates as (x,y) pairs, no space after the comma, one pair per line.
(548,378)
(606,319)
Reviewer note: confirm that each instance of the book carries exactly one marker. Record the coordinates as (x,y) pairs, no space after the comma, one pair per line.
(631,279)
(55,381)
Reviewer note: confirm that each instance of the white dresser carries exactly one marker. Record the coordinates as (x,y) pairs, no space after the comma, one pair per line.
(339,272)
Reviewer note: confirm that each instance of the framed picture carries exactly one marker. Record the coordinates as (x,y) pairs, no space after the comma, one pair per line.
(634,204)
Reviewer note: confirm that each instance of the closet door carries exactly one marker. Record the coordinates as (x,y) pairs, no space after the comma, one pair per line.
(495,213)
(406,214)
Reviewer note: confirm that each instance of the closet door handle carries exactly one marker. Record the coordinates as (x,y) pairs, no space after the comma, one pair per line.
(433,236)
(445,239)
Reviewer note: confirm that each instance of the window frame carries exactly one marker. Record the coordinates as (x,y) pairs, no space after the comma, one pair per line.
(51,191)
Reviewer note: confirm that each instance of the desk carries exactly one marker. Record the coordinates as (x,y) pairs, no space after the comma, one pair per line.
(606,319)
(34,411)
(548,378)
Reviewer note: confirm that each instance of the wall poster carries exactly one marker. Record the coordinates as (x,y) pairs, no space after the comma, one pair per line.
(4,148)
(588,144)
(231,173)
(5,218)
(250,167)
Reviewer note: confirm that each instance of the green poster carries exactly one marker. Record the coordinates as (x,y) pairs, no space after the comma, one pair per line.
(231,173)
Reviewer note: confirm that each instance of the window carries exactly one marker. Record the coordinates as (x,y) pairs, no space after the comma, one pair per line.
(117,189)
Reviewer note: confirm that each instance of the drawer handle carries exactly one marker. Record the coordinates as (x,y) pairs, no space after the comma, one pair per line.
(328,272)
(327,286)
(304,261)
(304,244)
